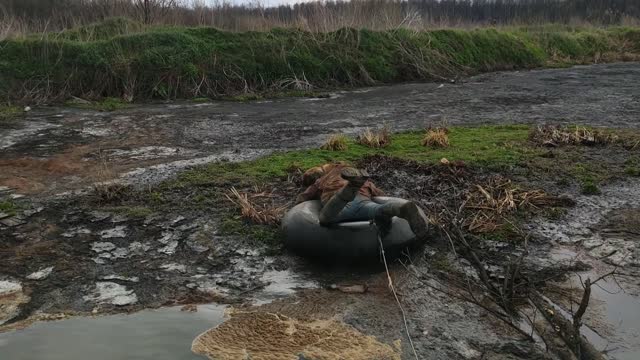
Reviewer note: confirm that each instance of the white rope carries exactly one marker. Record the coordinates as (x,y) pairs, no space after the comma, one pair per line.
(393,290)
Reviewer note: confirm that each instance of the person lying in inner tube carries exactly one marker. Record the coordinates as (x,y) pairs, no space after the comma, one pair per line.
(346,194)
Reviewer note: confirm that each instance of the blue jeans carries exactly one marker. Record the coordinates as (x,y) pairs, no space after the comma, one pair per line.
(359,209)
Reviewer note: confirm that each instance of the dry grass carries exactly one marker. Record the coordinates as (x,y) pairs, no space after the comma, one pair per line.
(375,139)
(336,142)
(256,207)
(558,135)
(436,138)
(498,197)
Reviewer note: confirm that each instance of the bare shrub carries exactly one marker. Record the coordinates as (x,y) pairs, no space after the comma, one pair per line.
(335,142)
(437,138)
(491,201)
(558,135)
(255,208)
(375,139)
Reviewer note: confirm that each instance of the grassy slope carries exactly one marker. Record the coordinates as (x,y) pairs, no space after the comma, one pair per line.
(142,63)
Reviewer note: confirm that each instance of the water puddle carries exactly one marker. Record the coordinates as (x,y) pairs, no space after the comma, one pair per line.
(282,283)
(619,333)
(612,322)
(150,334)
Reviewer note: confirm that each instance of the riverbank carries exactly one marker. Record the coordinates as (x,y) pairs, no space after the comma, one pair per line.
(116,59)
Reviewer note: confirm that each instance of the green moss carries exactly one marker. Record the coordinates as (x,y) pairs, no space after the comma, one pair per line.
(8,207)
(119,57)
(589,187)
(632,171)
(8,113)
(491,146)
(261,234)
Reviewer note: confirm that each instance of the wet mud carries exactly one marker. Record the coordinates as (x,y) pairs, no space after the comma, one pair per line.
(62,254)
(56,149)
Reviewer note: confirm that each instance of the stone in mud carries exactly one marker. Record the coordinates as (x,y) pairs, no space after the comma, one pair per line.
(99,216)
(116,232)
(275,336)
(465,350)
(4,215)
(174,267)
(166,237)
(592,243)
(119,218)
(12,221)
(170,249)
(121,278)
(120,253)
(40,274)
(11,297)
(31,212)
(177,220)
(75,231)
(138,248)
(107,292)
(197,247)
(100,247)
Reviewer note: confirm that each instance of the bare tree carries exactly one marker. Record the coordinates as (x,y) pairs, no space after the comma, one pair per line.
(149,11)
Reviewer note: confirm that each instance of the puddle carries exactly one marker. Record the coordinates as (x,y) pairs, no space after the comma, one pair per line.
(281,283)
(620,314)
(157,173)
(150,334)
(13,137)
(613,314)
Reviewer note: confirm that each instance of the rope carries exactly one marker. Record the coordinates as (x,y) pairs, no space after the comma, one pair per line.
(393,290)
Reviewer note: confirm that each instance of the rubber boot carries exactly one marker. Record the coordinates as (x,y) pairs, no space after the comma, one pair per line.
(356,178)
(408,211)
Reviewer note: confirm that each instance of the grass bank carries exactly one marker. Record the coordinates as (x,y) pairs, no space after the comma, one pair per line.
(122,60)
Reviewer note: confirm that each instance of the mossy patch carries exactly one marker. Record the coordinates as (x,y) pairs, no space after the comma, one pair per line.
(491,146)
(8,207)
(9,113)
(260,234)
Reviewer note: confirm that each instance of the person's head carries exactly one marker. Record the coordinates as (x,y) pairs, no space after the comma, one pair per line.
(312,175)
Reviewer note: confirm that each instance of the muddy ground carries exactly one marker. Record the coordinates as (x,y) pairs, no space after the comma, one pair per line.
(56,149)
(64,250)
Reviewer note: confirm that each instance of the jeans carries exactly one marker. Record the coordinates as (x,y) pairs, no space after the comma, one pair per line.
(360,209)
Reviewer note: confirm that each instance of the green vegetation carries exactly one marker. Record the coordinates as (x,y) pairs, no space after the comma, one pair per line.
(9,112)
(632,171)
(261,234)
(8,207)
(492,146)
(122,59)
(589,187)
